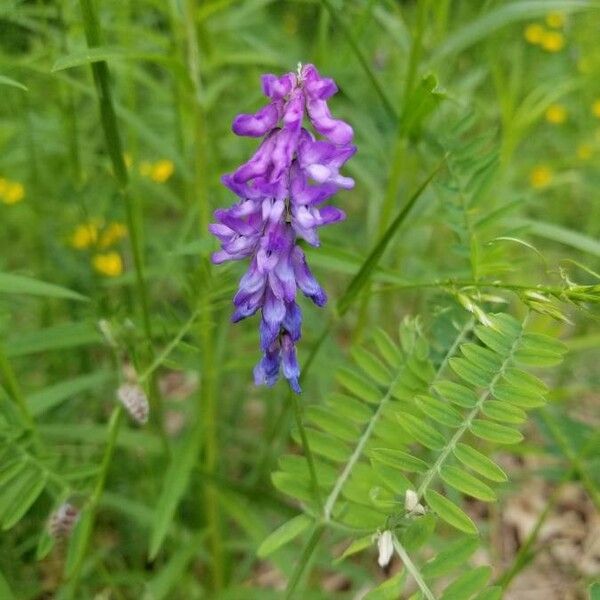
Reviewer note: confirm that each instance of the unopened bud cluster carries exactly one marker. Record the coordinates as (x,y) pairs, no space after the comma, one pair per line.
(62,520)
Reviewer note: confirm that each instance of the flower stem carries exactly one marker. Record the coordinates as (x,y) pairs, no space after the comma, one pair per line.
(413,570)
(304,559)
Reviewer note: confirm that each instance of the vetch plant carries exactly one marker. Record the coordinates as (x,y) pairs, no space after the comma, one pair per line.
(281,192)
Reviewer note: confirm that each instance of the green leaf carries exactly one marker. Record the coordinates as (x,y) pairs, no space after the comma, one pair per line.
(78,540)
(292,485)
(325,445)
(479,463)
(362,277)
(492,432)
(594,591)
(481,357)
(449,512)
(502,411)
(5,591)
(333,423)
(350,407)
(466,483)
(494,339)
(56,337)
(27,496)
(525,382)
(454,555)
(105,53)
(357,385)
(518,397)
(491,593)
(356,546)
(456,393)
(438,411)
(283,535)
(371,365)
(12,83)
(387,348)
(18,284)
(469,372)
(398,459)
(51,396)
(175,483)
(468,584)
(421,431)
(45,545)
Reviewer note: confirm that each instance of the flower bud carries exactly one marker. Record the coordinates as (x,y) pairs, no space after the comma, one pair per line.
(62,520)
(134,399)
(385,545)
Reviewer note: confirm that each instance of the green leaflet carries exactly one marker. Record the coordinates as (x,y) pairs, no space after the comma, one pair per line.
(18,284)
(492,432)
(334,423)
(469,372)
(468,584)
(399,460)
(455,555)
(371,365)
(27,496)
(174,486)
(358,385)
(438,411)
(502,411)
(479,463)
(283,535)
(421,431)
(387,348)
(350,407)
(456,393)
(466,483)
(449,512)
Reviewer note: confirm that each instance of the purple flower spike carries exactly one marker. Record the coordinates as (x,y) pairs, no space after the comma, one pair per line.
(281,192)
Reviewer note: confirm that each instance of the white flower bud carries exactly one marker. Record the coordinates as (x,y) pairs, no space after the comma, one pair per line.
(133,398)
(411,503)
(62,520)
(385,545)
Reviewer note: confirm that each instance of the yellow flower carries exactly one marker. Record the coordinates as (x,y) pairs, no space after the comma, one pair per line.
(540,177)
(556,114)
(85,235)
(553,41)
(12,192)
(584,151)
(596,108)
(555,19)
(162,170)
(534,33)
(112,234)
(109,264)
(145,168)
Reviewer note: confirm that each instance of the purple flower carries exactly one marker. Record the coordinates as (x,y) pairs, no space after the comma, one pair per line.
(281,192)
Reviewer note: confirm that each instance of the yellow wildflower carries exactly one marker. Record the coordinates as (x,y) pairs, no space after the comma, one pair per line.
(596,108)
(555,19)
(13,192)
(109,264)
(145,168)
(85,235)
(162,170)
(556,114)
(584,151)
(112,234)
(540,177)
(534,33)
(553,41)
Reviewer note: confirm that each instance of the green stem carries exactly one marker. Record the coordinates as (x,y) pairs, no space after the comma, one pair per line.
(412,569)
(113,145)
(304,559)
(92,505)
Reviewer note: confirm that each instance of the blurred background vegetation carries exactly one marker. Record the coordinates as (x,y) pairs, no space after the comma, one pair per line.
(500,99)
